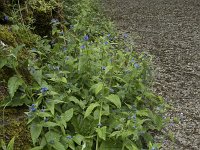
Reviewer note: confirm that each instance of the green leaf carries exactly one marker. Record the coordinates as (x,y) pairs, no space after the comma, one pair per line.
(44,114)
(78,139)
(90,109)
(17,49)
(64,80)
(108,68)
(114,99)
(11,144)
(3,145)
(142,113)
(51,135)
(97,87)
(37,148)
(111,145)
(2,62)
(75,100)
(58,146)
(67,115)
(130,145)
(35,130)
(13,84)
(37,75)
(49,124)
(50,105)
(101,132)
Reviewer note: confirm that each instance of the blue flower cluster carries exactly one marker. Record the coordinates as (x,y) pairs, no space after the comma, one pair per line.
(83,47)
(69,137)
(86,38)
(44,90)
(5,19)
(32,108)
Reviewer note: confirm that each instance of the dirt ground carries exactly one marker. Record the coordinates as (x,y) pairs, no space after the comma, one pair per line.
(170,31)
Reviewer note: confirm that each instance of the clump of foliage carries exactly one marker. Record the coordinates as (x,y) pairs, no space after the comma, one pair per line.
(88,89)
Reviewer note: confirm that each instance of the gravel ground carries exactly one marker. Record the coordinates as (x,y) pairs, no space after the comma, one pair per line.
(170,31)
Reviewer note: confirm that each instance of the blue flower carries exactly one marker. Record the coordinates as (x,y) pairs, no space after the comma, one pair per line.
(103,67)
(67,58)
(125,35)
(136,65)
(83,47)
(134,117)
(56,68)
(61,33)
(32,108)
(71,27)
(86,38)
(112,90)
(132,60)
(34,49)
(153,148)
(108,35)
(54,20)
(69,137)
(64,48)
(106,43)
(46,119)
(43,109)
(43,90)
(5,18)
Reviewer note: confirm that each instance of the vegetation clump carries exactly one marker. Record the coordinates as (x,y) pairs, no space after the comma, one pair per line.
(86,88)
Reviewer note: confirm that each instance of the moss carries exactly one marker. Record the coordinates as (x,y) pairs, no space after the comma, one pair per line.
(14,124)
(7,36)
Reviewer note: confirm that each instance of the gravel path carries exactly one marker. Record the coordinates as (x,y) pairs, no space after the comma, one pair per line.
(170,31)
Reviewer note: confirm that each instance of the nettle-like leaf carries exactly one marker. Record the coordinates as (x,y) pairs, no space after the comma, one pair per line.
(52,137)
(97,88)
(101,132)
(58,146)
(108,68)
(78,139)
(111,145)
(35,130)
(51,105)
(67,115)
(11,144)
(79,102)
(37,148)
(49,124)
(13,84)
(114,99)
(37,75)
(3,62)
(90,109)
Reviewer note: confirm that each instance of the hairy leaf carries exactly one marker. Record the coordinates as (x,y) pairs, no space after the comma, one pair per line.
(114,99)
(13,84)
(35,132)
(90,109)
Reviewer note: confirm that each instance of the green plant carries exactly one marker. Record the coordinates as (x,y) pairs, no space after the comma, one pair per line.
(10,145)
(89,89)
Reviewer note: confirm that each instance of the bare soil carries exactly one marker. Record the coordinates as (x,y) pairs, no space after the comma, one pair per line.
(170,31)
